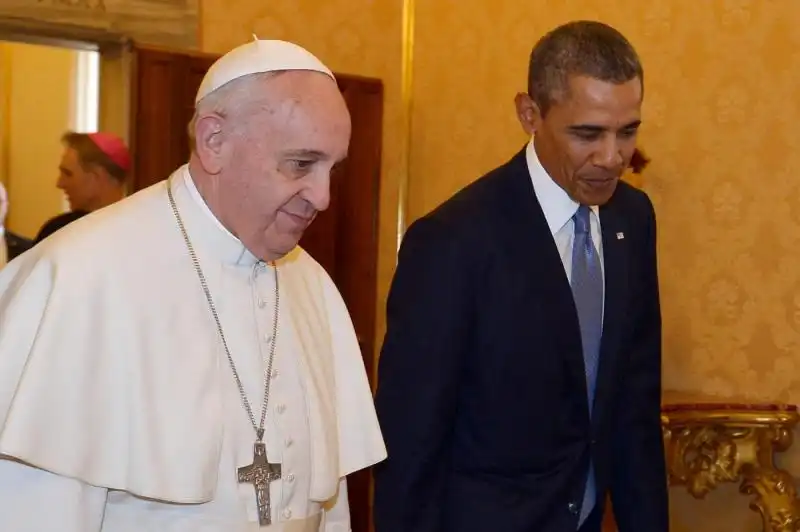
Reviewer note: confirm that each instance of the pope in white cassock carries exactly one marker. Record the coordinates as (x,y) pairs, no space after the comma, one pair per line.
(175,362)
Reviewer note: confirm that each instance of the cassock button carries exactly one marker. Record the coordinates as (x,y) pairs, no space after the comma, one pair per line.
(290,477)
(287,513)
(289,442)
(573,508)
(262,303)
(281,408)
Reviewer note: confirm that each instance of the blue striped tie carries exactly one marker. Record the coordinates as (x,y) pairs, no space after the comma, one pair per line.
(587,290)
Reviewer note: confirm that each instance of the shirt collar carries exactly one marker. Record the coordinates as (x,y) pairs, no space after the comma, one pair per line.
(202,224)
(557,206)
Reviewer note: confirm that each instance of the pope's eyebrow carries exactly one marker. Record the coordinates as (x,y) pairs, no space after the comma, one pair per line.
(308,154)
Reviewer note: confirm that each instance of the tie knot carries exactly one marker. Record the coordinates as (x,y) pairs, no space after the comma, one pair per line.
(581,218)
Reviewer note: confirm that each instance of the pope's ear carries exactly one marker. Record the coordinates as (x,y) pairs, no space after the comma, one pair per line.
(209,146)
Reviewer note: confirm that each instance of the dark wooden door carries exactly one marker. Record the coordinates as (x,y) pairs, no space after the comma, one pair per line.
(164,88)
(343,239)
(609,524)
(350,253)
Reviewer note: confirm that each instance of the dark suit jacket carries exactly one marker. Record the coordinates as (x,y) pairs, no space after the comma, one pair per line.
(57,222)
(16,245)
(481,388)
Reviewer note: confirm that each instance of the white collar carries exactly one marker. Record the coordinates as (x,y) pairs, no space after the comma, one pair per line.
(202,220)
(557,206)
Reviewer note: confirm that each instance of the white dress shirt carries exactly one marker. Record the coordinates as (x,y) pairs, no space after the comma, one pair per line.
(559,209)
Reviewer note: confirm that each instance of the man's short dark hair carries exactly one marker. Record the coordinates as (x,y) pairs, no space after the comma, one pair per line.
(89,154)
(579,48)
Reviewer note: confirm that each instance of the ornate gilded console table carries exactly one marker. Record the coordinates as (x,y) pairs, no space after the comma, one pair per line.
(712,442)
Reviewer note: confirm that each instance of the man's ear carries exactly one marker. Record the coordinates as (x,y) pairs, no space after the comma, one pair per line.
(94,172)
(528,113)
(209,142)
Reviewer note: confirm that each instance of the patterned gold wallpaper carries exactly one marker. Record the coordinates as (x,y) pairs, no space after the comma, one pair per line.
(352,37)
(721,123)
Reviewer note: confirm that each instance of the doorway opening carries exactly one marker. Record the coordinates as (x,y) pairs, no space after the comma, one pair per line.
(45,91)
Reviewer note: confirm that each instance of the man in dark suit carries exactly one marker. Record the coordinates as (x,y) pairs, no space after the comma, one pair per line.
(92,174)
(15,245)
(520,377)
(11,245)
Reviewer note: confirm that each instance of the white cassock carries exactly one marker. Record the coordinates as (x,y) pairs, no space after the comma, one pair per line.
(118,409)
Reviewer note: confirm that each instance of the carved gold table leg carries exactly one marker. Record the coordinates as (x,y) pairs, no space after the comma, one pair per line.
(701,457)
(707,444)
(775,498)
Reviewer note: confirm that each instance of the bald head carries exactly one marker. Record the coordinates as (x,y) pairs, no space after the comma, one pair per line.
(264,149)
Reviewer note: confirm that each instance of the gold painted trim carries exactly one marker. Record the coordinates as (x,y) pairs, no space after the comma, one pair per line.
(5,118)
(406,96)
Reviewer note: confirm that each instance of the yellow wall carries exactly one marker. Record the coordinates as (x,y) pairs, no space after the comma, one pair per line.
(353,37)
(720,123)
(721,114)
(36,99)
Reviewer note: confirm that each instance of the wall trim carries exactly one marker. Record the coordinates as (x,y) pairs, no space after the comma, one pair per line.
(407,99)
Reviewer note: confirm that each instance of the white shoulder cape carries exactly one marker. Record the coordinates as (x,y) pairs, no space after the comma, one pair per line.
(109,359)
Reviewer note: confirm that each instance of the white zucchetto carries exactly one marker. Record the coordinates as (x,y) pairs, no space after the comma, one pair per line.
(257,57)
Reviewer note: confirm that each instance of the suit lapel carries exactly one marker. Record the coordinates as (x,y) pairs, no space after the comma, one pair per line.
(532,244)
(615,261)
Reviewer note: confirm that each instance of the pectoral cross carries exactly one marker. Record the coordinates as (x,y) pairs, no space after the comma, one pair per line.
(260,473)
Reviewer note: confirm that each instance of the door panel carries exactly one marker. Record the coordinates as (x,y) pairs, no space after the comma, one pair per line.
(343,239)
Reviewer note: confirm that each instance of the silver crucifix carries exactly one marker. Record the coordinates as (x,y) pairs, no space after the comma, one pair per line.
(260,473)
